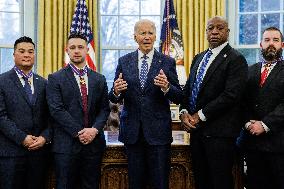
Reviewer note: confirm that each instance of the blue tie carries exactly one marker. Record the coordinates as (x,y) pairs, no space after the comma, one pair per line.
(198,81)
(28,89)
(143,71)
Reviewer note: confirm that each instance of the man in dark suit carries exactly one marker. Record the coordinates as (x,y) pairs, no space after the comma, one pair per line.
(146,80)
(24,129)
(78,102)
(263,134)
(210,109)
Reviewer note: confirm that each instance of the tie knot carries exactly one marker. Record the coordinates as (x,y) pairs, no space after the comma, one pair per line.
(145,57)
(209,53)
(267,65)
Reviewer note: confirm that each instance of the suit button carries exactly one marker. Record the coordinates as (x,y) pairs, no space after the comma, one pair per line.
(256,105)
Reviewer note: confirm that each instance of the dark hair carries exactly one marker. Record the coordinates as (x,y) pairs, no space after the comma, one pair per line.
(77,35)
(23,39)
(272,28)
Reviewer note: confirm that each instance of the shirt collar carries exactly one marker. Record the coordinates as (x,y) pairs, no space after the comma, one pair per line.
(149,55)
(218,49)
(22,74)
(77,71)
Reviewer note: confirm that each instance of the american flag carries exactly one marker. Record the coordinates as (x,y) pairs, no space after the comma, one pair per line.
(80,24)
(171,40)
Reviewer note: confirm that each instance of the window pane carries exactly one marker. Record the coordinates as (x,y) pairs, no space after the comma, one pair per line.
(109,61)
(124,52)
(7,59)
(251,55)
(9,27)
(248,5)
(109,7)
(268,20)
(129,7)
(10,5)
(248,29)
(126,30)
(109,30)
(152,7)
(157,21)
(270,5)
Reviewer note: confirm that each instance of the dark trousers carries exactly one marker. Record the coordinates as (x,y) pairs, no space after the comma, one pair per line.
(265,170)
(81,170)
(212,160)
(148,162)
(25,172)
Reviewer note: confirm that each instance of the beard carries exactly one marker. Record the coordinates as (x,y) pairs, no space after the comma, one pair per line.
(271,53)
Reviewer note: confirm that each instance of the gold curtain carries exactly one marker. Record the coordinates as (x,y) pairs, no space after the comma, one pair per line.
(54,21)
(192,16)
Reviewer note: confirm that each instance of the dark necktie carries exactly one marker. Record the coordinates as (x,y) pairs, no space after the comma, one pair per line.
(84,94)
(198,81)
(28,89)
(143,71)
(264,74)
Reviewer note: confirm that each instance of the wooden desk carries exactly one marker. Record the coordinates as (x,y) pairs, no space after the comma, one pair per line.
(115,175)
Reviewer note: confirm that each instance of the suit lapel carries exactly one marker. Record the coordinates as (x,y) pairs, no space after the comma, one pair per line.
(91,87)
(71,78)
(36,84)
(216,62)
(14,77)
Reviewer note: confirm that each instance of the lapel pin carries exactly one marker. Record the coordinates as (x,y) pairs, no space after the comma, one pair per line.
(225,55)
(160,61)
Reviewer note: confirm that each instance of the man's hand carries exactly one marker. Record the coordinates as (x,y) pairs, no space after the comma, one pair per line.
(87,135)
(38,143)
(255,128)
(187,121)
(29,140)
(161,81)
(119,85)
(196,119)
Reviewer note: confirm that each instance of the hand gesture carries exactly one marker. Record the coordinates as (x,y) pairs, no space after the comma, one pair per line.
(119,85)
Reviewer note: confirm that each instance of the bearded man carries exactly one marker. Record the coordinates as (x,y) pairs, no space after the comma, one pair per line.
(263,136)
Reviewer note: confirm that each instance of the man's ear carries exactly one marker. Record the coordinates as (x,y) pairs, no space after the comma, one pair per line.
(134,36)
(260,44)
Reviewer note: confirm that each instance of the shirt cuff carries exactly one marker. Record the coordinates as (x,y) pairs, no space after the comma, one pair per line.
(247,125)
(166,91)
(183,111)
(116,96)
(201,115)
(265,127)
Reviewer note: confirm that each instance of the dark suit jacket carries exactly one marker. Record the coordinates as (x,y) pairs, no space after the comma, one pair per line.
(65,104)
(220,93)
(18,117)
(148,107)
(266,104)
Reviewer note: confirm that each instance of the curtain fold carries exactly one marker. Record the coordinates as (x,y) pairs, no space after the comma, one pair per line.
(54,21)
(192,16)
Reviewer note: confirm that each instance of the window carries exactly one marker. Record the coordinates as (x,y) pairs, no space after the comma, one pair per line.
(14,22)
(250,18)
(118,18)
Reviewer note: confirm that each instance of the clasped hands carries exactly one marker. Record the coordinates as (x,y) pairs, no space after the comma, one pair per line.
(87,135)
(160,80)
(188,121)
(255,127)
(33,143)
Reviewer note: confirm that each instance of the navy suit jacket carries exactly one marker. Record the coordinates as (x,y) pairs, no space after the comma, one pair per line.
(19,117)
(266,104)
(65,104)
(220,93)
(147,107)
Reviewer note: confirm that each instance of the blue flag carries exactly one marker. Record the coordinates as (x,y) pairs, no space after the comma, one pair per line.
(171,40)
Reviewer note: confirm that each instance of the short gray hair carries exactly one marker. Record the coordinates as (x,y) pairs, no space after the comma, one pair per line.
(142,21)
